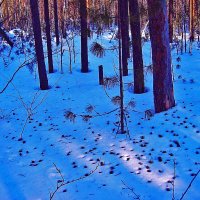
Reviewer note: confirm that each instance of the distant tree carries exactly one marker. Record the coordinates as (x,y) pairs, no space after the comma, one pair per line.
(63,19)
(84,36)
(171,11)
(161,55)
(38,44)
(198,15)
(48,35)
(192,16)
(137,46)
(55,5)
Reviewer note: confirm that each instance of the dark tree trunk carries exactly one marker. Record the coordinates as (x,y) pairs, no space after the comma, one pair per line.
(137,47)
(48,35)
(123,8)
(84,36)
(63,20)
(184,25)
(161,55)
(5,37)
(197,14)
(38,44)
(192,13)
(121,78)
(55,5)
(63,28)
(171,10)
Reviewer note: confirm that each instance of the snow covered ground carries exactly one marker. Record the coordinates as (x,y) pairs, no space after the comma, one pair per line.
(124,169)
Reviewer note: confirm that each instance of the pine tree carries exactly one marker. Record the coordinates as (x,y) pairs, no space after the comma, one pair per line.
(161,55)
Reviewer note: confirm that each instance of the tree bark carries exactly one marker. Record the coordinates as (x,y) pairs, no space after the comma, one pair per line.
(38,44)
(84,37)
(55,5)
(48,35)
(161,55)
(137,47)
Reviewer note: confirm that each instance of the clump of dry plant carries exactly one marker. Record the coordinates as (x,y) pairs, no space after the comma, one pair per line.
(110,82)
(116,100)
(97,49)
(70,116)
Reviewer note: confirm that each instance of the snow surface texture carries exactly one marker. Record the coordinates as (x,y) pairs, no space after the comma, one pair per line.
(143,165)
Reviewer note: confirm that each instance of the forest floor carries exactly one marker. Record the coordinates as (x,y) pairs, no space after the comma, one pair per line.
(110,166)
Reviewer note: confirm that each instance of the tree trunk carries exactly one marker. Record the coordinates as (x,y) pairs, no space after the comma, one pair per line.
(197,14)
(137,47)
(121,87)
(48,35)
(161,55)
(192,13)
(55,5)
(38,44)
(123,6)
(171,7)
(63,19)
(84,37)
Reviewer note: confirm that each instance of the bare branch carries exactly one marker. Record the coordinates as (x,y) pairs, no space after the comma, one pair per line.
(14,74)
(136,196)
(63,183)
(190,185)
